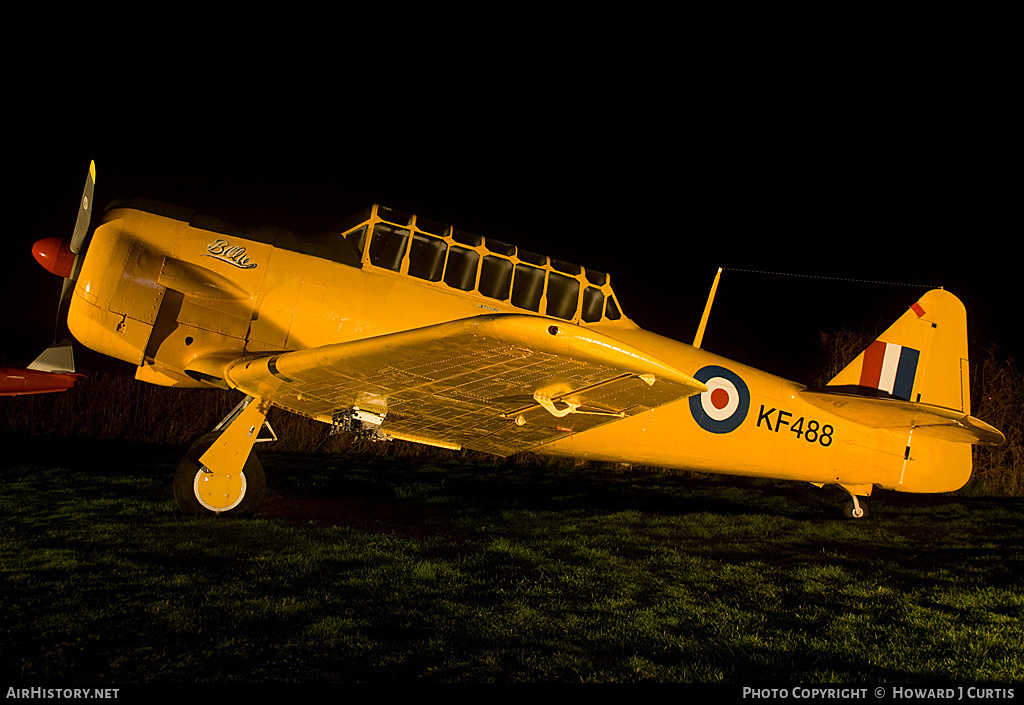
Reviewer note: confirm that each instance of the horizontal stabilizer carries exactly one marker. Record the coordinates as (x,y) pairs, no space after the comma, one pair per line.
(936,421)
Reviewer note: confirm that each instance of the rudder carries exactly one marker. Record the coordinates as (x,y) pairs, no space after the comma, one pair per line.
(934,465)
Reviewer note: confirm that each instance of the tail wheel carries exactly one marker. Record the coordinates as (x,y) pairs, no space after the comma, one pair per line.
(199,491)
(856,511)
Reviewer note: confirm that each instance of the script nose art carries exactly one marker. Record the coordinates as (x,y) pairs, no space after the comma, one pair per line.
(55,256)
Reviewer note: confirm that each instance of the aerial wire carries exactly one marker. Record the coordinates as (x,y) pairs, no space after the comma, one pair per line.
(829,278)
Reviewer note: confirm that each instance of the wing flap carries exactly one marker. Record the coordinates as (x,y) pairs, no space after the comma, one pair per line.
(502,384)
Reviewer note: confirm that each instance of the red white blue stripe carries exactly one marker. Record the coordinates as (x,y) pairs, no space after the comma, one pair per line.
(890,368)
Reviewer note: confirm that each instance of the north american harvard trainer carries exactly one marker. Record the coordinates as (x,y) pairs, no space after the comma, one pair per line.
(405,328)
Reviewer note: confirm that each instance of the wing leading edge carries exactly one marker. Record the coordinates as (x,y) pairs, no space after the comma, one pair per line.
(502,384)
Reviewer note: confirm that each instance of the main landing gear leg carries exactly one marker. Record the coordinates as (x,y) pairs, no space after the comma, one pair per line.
(220,474)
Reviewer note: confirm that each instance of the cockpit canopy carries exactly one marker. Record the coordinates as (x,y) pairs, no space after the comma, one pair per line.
(428,250)
(425,249)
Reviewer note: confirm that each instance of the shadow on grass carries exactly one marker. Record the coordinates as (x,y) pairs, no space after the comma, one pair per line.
(382,569)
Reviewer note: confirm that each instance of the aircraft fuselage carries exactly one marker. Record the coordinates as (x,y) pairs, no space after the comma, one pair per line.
(178,296)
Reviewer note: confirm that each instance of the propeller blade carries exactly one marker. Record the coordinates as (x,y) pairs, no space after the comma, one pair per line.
(84,210)
(48,255)
(60,328)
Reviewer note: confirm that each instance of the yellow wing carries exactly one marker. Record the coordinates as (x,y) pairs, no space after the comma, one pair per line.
(501,384)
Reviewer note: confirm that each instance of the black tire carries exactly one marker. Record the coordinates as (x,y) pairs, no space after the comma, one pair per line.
(848,509)
(185,476)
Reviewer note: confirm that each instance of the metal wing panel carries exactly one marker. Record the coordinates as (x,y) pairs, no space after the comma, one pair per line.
(501,384)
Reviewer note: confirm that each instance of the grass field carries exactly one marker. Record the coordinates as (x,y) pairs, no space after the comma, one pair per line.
(384,570)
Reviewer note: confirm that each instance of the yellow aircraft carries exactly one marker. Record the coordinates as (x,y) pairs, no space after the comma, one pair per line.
(405,328)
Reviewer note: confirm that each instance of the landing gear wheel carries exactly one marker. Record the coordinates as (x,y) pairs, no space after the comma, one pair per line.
(199,491)
(855,511)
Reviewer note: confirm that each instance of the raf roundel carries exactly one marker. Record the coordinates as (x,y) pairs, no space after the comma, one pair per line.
(724,406)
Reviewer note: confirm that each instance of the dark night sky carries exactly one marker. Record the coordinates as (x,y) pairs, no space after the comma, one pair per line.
(655,181)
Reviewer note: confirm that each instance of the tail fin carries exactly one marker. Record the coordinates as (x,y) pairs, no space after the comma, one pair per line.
(914,380)
(921,358)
